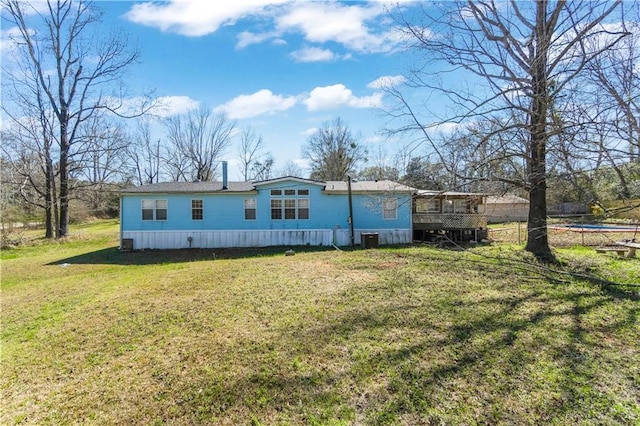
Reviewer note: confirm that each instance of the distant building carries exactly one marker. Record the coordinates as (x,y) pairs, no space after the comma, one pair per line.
(507,208)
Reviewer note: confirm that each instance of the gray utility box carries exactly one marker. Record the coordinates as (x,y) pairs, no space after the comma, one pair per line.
(369,240)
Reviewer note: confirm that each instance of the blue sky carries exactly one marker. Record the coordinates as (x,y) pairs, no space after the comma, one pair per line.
(283,68)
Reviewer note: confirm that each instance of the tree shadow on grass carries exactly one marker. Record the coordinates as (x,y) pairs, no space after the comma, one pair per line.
(114,256)
(530,353)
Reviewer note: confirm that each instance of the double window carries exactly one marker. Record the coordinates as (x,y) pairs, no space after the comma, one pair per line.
(289,204)
(455,206)
(428,205)
(154,209)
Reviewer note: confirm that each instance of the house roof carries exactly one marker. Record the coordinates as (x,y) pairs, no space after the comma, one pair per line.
(189,187)
(433,193)
(212,187)
(507,199)
(336,186)
(288,179)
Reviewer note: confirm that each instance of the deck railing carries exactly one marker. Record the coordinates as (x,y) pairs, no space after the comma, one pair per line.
(451,220)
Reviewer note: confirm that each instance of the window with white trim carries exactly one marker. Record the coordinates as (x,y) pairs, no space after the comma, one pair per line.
(154,209)
(390,208)
(303,208)
(197,210)
(287,204)
(276,208)
(249,209)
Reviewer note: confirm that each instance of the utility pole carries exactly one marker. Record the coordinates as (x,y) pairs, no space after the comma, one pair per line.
(350,212)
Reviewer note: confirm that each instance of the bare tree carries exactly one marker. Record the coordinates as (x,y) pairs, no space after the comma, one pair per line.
(196,142)
(145,154)
(66,67)
(380,168)
(333,151)
(263,169)
(29,146)
(100,163)
(290,169)
(250,154)
(522,56)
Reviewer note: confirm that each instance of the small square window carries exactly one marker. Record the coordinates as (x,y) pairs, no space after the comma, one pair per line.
(289,192)
(276,192)
(303,192)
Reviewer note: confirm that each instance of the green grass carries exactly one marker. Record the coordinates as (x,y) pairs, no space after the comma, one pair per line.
(404,335)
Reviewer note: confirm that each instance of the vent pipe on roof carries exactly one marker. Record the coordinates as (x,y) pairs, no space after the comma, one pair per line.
(225,181)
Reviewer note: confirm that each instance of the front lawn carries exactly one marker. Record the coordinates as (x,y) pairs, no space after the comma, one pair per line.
(409,335)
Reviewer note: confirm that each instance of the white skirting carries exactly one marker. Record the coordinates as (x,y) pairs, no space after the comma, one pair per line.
(258,238)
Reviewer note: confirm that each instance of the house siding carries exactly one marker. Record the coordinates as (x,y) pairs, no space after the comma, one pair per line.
(224,224)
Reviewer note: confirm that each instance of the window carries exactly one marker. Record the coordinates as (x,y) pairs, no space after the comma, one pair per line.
(460,206)
(197,210)
(289,208)
(154,209)
(250,209)
(286,205)
(389,208)
(448,206)
(455,206)
(303,208)
(276,209)
(424,205)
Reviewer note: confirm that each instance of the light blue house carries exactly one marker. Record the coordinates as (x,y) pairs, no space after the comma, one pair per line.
(285,211)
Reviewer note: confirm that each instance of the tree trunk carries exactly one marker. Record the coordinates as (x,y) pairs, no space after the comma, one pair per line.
(48,202)
(537,238)
(63,227)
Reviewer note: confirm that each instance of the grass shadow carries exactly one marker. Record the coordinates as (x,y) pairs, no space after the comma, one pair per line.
(114,256)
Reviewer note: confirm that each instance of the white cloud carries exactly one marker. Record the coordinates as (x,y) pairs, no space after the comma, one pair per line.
(352,25)
(303,163)
(9,40)
(309,132)
(336,96)
(247,38)
(167,106)
(196,17)
(386,81)
(261,102)
(344,24)
(314,54)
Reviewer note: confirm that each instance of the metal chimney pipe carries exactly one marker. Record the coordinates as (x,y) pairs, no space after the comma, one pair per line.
(225,180)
